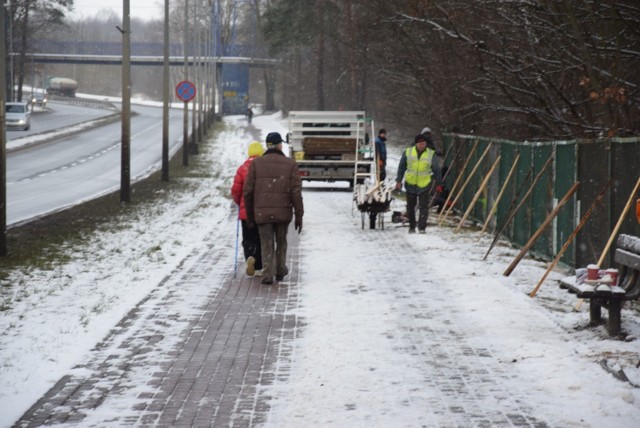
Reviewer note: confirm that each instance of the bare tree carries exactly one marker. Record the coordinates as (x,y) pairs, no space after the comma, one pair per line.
(530,69)
(28,18)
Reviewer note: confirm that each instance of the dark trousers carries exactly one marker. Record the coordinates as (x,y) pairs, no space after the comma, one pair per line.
(273,239)
(251,244)
(421,200)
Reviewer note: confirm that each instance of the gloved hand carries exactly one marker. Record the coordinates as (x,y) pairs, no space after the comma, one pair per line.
(439,188)
(398,185)
(298,225)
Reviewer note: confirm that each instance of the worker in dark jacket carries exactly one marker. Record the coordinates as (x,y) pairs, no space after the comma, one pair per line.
(272,192)
(419,168)
(381,153)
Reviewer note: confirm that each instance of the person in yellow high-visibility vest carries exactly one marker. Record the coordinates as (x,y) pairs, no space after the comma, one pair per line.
(419,168)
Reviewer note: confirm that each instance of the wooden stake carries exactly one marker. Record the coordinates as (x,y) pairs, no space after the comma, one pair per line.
(619,223)
(446,155)
(524,199)
(455,184)
(571,238)
(542,227)
(494,208)
(460,193)
(478,193)
(444,177)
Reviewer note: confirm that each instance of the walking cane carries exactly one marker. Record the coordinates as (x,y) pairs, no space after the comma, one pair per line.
(235,262)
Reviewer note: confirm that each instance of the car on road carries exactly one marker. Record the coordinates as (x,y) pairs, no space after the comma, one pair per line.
(17,115)
(39,98)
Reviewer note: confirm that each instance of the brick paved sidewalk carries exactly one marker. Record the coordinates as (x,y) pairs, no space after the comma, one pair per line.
(213,373)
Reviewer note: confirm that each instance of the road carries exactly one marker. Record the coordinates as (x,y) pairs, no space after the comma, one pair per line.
(45,178)
(56,116)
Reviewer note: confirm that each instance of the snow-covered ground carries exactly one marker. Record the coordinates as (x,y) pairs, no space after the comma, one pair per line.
(373,303)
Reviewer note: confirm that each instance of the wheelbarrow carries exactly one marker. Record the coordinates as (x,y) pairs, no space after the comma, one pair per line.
(372,200)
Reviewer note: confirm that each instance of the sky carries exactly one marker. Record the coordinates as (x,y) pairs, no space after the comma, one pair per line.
(397,329)
(142,9)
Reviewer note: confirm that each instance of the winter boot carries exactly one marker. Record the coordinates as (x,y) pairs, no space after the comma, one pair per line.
(251,266)
(280,276)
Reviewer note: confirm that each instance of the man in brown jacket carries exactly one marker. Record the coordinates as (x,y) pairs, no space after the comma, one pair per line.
(272,191)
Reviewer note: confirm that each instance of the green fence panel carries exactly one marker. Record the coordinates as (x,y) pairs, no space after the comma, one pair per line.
(477,167)
(593,163)
(593,168)
(509,154)
(625,169)
(541,202)
(521,223)
(565,223)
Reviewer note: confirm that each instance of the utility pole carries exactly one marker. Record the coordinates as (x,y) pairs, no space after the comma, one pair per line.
(195,134)
(165,97)
(201,72)
(215,29)
(125,177)
(3,140)
(185,112)
(10,38)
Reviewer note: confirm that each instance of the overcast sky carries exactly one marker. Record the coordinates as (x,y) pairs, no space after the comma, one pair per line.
(144,9)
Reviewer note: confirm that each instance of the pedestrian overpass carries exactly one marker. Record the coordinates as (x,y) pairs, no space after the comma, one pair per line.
(146,60)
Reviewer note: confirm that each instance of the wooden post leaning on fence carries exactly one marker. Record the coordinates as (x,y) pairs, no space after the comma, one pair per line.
(461,191)
(478,193)
(615,231)
(446,155)
(541,229)
(524,199)
(494,208)
(455,184)
(571,238)
(444,177)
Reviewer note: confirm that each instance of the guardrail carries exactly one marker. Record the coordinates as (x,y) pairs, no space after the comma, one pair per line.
(85,102)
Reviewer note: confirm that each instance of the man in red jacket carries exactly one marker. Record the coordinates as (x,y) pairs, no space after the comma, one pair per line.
(272,191)
(250,235)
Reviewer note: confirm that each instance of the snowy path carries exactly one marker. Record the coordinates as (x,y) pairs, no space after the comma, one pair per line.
(373,328)
(417,330)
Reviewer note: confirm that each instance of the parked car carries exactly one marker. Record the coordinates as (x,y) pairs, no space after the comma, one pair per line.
(18,115)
